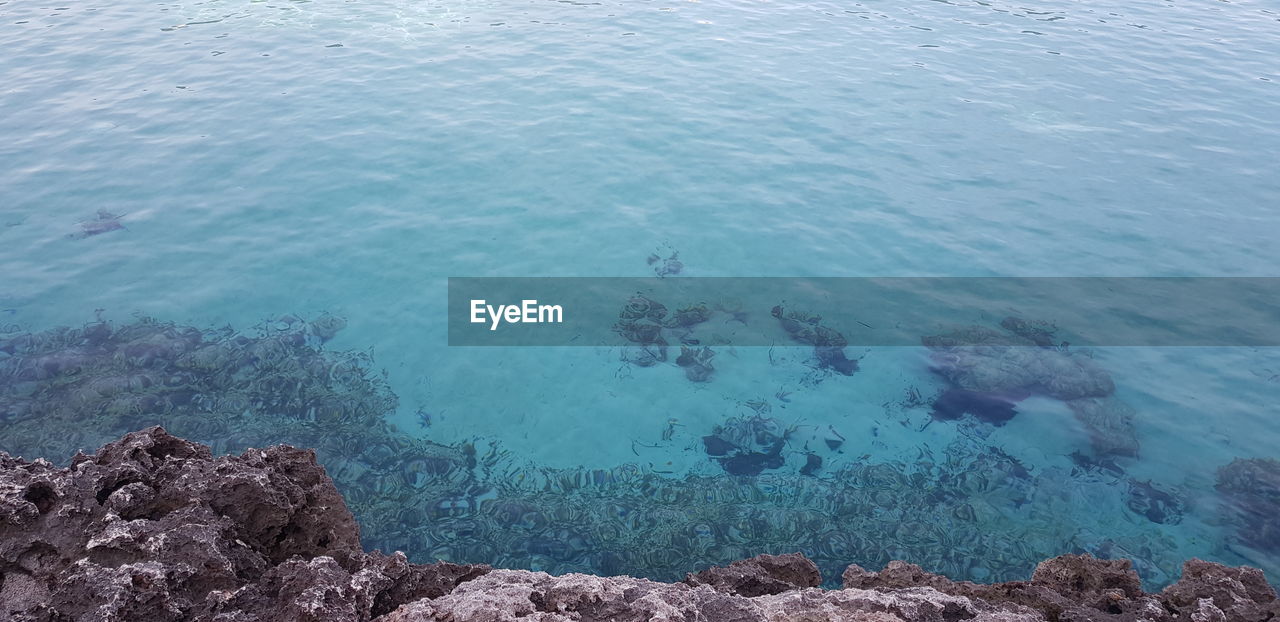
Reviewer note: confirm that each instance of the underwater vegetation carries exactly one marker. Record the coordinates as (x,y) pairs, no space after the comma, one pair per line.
(990,370)
(972,512)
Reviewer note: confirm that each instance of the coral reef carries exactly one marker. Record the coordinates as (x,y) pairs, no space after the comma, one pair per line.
(152,527)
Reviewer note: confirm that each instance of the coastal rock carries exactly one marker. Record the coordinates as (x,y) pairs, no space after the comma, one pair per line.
(153,527)
(1080,588)
(760,575)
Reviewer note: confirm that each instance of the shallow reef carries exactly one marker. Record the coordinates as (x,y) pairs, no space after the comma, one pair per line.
(153,527)
(969,512)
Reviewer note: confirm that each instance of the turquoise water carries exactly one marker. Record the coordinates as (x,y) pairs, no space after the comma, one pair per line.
(276,158)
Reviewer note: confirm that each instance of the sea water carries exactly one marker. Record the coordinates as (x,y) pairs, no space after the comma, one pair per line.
(269,159)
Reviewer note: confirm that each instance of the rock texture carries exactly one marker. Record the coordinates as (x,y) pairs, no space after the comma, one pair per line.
(154,528)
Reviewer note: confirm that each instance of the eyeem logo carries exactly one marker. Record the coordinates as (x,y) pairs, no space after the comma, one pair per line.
(527,312)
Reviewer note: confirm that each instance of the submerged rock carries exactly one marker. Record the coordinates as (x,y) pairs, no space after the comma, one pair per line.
(747,446)
(104,222)
(987,366)
(153,527)
(828,344)
(1251,491)
(990,408)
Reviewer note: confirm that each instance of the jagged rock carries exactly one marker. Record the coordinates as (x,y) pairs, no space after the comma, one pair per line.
(511,595)
(1239,594)
(760,575)
(154,528)
(1079,588)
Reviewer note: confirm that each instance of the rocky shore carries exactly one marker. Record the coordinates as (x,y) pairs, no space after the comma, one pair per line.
(154,528)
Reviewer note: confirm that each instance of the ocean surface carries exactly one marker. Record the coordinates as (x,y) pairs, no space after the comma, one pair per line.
(250,167)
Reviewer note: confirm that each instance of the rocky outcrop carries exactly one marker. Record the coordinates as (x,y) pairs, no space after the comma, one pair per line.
(1080,588)
(760,575)
(155,528)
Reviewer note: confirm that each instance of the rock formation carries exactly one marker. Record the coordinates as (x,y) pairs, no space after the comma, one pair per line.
(154,528)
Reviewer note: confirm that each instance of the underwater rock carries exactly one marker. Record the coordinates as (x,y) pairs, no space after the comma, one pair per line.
(831,357)
(833,439)
(670,266)
(104,222)
(1155,503)
(717,446)
(644,322)
(812,464)
(1014,364)
(153,527)
(1037,332)
(1110,425)
(828,344)
(689,316)
(1009,369)
(326,327)
(753,462)
(747,445)
(1251,493)
(696,363)
(986,407)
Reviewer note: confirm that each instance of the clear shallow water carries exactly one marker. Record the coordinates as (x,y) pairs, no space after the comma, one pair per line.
(295,157)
